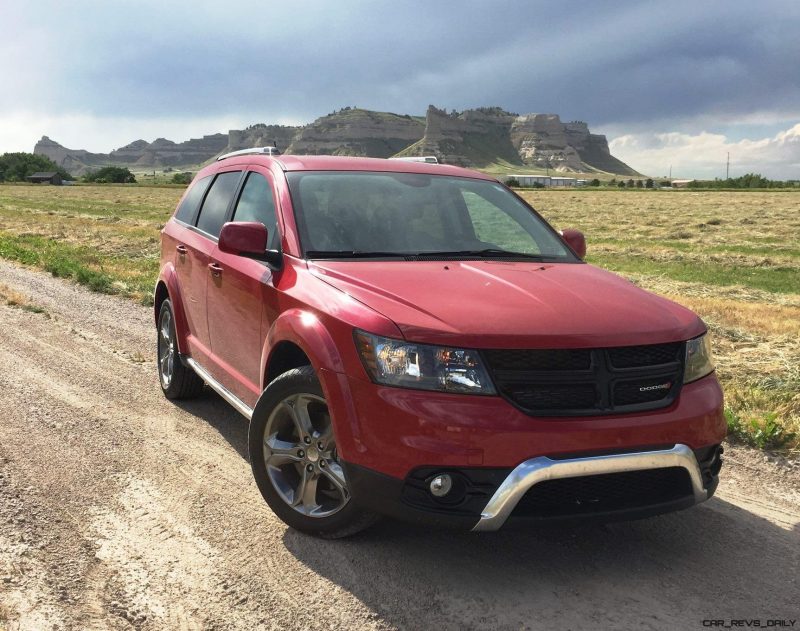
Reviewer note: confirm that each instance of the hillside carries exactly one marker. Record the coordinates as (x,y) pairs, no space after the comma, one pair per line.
(485,137)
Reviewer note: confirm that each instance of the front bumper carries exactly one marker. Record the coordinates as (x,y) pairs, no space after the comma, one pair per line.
(605,487)
(512,466)
(395,430)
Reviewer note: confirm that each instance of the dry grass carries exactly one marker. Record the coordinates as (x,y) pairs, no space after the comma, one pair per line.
(103,236)
(14,298)
(733,257)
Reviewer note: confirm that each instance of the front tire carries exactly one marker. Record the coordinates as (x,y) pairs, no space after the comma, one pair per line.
(295,461)
(177,381)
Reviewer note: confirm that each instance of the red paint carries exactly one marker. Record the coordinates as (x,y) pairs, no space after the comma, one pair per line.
(575,240)
(232,321)
(247,237)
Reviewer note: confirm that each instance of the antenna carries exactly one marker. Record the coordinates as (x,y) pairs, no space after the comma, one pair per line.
(728,167)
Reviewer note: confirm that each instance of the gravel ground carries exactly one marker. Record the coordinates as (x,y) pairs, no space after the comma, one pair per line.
(121,510)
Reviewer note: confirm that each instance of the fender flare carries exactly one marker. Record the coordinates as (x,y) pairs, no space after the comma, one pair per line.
(169,277)
(304,329)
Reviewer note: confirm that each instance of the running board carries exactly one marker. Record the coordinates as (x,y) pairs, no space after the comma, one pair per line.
(221,390)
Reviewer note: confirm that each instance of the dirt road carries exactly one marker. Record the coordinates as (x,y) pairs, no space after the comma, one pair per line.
(120,510)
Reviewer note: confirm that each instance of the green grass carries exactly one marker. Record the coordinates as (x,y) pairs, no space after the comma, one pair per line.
(773,279)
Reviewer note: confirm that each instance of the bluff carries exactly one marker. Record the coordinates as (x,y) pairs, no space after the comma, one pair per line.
(482,137)
(489,135)
(357,132)
(137,154)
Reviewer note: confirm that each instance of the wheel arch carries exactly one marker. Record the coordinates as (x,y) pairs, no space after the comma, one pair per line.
(168,287)
(298,338)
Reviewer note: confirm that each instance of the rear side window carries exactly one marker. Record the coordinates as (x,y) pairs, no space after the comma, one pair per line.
(256,203)
(212,214)
(192,199)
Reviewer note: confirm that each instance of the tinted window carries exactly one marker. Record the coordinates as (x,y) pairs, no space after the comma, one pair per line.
(191,201)
(212,214)
(256,203)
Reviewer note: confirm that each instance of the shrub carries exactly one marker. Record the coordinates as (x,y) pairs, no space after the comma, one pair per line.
(182,178)
(113,175)
(512,181)
(594,182)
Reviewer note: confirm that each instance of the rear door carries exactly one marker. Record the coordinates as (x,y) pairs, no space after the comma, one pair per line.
(238,290)
(194,256)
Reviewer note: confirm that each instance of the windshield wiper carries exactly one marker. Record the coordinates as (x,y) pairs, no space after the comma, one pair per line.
(350,254)
(486,252)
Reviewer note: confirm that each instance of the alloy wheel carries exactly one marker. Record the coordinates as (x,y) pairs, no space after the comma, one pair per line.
(166,349)
(301,458)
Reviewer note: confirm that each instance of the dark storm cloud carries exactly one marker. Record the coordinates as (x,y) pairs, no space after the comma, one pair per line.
(604,62)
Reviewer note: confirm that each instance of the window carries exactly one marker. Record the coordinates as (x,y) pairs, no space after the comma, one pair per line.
(215,208)
(495,227)
(414,214)
(192,199)
(256,203)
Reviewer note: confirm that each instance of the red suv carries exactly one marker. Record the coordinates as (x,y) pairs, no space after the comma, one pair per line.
(414,340)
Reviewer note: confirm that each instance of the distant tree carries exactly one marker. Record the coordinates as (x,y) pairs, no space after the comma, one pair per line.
(621,184)
(630,183)
(639,184)
(594,182)
(612,181)
(512,181)
(665,183)
(15,167)
(748,180)
(649,183)
(110,175)
(182,178)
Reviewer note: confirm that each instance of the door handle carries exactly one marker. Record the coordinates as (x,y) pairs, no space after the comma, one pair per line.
(216,269)
(181,249)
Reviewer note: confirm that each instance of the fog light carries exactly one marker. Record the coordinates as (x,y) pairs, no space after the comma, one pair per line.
(441,485)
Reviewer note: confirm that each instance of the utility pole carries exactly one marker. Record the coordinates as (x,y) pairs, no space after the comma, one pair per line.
(728,167)
(670,171)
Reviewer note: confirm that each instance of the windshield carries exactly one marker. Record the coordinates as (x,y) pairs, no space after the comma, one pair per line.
(351,214)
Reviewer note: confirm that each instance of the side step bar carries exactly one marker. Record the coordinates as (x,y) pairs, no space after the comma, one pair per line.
(221,390)
(536,470)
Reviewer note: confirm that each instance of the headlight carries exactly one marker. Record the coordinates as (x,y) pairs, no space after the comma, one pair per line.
(698,358)
(408,365)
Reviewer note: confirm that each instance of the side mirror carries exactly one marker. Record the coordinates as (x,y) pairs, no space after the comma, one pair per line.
(575,240)
(242,238)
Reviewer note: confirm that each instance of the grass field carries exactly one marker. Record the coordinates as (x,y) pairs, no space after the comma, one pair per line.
(732,257)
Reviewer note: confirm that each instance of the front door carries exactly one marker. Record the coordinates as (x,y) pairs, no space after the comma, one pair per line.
(237,291)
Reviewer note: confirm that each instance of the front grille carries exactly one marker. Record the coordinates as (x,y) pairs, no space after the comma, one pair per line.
(606,492)
(521,359)
(570,382)
(636,356)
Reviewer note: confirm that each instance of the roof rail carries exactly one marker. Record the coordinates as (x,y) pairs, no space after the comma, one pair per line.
(265,151)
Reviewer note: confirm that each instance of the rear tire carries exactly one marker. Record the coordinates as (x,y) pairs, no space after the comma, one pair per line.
(177,381)
(295,462)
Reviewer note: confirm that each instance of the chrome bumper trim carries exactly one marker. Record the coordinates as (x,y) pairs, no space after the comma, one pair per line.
(221,390)
(536,470)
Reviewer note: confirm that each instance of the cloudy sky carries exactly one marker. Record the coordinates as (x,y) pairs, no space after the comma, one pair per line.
(677,84)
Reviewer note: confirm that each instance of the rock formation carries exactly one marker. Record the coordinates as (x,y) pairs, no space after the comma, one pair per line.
(357,132)
(477,138)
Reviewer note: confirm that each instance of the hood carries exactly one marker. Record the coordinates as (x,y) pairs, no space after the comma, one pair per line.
(501,304)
